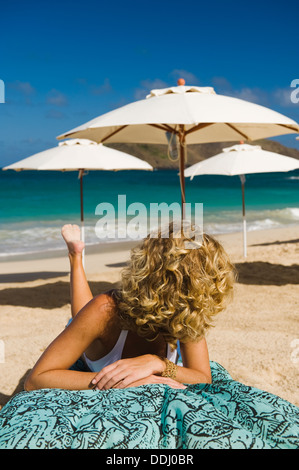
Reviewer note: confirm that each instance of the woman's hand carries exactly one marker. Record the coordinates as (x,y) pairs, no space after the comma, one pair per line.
(124,372)
(155,379)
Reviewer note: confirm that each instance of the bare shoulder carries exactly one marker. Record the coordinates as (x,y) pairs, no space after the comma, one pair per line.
(104,310)
(104,302)
(98,315)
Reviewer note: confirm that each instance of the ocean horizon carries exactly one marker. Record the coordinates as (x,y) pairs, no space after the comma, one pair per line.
(35,204)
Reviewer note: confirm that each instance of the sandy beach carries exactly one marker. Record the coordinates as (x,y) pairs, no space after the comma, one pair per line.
(256,339)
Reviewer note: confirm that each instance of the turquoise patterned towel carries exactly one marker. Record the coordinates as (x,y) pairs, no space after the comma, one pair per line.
(224,414)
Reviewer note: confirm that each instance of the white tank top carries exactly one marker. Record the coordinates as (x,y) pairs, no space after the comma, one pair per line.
(116,353)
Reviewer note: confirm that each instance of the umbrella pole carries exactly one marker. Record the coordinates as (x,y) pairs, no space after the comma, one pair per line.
(81,172)
(242,177)
(182,169)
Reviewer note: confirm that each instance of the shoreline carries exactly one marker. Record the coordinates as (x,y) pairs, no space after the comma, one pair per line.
(104,257)
(107,246)
(59,253)
(254,338)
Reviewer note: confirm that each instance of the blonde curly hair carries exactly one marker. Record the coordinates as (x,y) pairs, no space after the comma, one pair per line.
(172,290)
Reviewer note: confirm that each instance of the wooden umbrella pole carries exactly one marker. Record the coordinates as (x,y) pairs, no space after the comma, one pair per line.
(81,195)
(242,178)
(81,173)
(182,169)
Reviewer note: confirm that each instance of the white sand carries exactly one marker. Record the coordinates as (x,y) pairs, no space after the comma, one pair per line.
(256,339)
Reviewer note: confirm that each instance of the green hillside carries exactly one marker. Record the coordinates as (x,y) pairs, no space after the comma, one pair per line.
(157,155)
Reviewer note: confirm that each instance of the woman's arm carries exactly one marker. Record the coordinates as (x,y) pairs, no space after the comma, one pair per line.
(196,363)
(128,372)
(52,369)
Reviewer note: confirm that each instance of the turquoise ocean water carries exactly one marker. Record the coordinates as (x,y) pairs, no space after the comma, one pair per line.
(34,205)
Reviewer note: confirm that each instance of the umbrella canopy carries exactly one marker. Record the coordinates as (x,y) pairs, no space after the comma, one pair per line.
(77,154)
(241,160)
(80,155)
(205,115)
(192,114)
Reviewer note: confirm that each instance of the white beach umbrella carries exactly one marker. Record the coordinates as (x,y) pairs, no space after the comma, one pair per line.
(80,155)
(190,115)
(241,160)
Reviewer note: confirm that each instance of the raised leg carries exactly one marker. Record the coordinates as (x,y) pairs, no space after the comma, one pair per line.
(79,288)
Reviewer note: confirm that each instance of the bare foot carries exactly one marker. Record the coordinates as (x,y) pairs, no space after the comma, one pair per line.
(71,235)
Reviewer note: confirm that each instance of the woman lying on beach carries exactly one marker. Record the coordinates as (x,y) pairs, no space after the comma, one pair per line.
(128,337)
(131,394)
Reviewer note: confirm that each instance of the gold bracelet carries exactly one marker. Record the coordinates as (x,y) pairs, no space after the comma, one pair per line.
(170,370)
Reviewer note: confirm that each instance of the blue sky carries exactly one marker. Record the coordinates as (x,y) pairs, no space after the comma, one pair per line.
(64,63)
